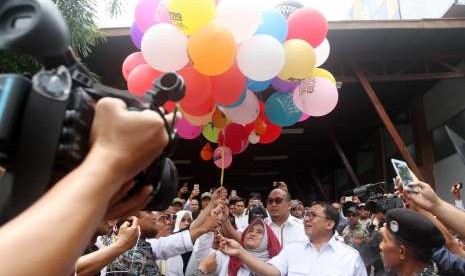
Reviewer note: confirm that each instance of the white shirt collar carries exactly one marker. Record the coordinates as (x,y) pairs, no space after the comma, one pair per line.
(332,243)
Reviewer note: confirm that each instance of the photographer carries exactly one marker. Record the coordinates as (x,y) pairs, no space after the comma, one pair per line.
(122,144)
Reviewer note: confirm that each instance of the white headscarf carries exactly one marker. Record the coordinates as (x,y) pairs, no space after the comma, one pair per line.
(179,216)
(261,252)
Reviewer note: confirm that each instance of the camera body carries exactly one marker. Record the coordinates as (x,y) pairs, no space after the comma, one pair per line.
(45,120)
(376,201)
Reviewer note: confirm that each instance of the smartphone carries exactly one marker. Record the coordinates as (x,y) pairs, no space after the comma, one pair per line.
(348,199)
(196,186)
(402,171)
(233,193)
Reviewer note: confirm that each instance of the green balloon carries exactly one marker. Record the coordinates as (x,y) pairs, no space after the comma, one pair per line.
(210,132)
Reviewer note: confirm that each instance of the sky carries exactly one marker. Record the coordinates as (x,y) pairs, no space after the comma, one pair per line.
(333,10)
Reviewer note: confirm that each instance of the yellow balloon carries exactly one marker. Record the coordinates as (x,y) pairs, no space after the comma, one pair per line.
(320,72)
(190,15)
(300,60)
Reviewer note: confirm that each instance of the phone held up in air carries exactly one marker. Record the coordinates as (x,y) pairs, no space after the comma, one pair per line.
(403,172)
(196,186)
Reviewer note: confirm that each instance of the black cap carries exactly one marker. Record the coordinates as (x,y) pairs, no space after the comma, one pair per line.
(347,205)
(362,206)
(414,230)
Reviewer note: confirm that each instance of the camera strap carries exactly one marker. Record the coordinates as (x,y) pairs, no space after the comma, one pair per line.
(39,138)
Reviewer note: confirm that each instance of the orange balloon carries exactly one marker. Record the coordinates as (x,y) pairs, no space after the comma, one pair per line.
(207,152)
(260,127)
(219,119)
(212,50)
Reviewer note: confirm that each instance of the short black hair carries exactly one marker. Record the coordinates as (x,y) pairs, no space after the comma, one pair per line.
(330,212)
(232,201)
(240,200)
(255,195)
(288,195)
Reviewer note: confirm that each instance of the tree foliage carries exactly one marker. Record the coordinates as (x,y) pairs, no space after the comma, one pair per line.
(81,18)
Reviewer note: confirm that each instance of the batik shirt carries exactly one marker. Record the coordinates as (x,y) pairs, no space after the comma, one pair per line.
(136,261)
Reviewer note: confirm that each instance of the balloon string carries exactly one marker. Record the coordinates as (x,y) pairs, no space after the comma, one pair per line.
(222,166)
(222,158)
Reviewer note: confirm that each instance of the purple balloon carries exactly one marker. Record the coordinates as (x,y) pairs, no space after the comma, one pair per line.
(284,86)
(136,35)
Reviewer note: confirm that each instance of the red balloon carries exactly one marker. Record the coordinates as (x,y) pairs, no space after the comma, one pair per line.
(272,133)
(199,110)
(307,24)
(141,79)
(234,136)
(227,88)
(131,62)
(169,106)
(251,127)
(198,89)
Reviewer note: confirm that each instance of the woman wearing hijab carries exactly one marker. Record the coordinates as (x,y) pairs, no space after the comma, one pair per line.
(183,221)
(257,238)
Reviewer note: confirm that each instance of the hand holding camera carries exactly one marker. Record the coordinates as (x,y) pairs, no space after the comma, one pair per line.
(126,139)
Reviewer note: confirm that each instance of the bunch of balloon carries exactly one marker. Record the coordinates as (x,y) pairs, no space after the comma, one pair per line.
(227,52)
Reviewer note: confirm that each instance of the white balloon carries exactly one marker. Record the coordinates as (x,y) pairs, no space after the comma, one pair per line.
(164,48)
(254,138)
(240,17)
(246,112)
(261,57)
(322,53)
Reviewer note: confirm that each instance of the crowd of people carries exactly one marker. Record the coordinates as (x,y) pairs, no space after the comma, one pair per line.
(87,225)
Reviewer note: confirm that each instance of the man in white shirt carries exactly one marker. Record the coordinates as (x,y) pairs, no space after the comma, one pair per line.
(241,219)
(321,254)
(287,228)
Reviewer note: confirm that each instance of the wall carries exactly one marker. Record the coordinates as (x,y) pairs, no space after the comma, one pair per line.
(447,171)
(398,9)
(417,9)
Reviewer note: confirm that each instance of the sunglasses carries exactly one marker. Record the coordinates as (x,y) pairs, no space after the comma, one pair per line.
(277,200)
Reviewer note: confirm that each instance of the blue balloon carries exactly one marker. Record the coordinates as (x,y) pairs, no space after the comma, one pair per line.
(257,86)
(274,24)
(281,110)
(238,102)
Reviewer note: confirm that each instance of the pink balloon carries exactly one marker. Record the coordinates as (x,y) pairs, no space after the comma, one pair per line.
(227,157)
(246,112)
(317,96)
(151,12)
(162,15)
(187,131)
(132,61)
(304,117)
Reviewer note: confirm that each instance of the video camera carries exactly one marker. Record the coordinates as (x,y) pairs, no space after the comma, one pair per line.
(45,120)
(374,196)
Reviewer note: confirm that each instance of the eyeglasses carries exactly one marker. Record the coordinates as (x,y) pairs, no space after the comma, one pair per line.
(277,200)
(312,215)
(166,218)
